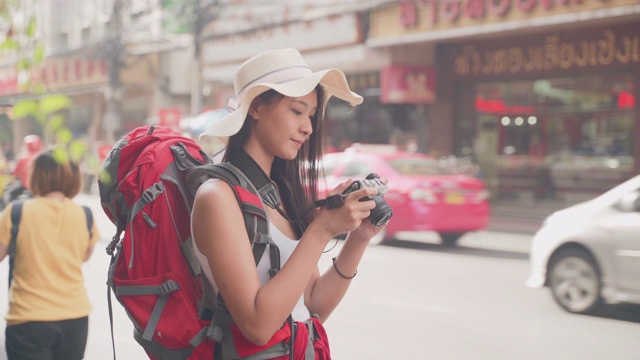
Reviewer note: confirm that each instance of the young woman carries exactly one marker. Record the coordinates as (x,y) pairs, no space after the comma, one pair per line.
(276,118)
(48,304)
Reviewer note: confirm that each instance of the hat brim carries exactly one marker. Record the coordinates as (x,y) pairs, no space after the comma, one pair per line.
(333,81)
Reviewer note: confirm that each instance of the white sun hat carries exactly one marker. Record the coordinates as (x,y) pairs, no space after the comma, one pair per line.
(284,71)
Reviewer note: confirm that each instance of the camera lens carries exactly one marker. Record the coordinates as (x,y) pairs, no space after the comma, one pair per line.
(381,214)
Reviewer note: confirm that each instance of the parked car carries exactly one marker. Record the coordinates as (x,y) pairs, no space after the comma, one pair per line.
(589,254)
(423,195)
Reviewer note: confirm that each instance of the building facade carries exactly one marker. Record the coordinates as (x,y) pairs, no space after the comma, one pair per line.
(541,94)
(99,53)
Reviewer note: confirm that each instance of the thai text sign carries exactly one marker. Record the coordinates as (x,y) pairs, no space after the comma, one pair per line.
(426,16)
(606,47)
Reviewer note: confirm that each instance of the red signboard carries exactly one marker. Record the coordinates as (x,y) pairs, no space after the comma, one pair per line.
(8,81)
(170,117)
(404,84)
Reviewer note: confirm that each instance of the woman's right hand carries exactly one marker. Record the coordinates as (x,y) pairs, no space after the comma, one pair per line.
(349,216)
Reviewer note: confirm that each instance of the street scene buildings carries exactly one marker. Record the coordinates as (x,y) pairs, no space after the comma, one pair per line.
(540,95)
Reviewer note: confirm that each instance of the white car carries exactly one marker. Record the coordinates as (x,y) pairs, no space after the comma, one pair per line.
(589,254)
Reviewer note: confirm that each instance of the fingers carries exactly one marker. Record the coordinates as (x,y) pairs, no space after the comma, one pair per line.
(341,187)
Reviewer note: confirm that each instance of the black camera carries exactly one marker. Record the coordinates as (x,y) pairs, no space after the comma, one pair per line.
(382,212)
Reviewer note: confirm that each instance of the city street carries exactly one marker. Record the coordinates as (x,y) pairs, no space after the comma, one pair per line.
(417,300)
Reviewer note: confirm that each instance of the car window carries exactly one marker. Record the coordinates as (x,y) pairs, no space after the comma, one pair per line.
(358,169)
(418,166)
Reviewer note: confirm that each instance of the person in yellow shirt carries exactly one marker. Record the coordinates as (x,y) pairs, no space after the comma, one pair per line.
(48,315)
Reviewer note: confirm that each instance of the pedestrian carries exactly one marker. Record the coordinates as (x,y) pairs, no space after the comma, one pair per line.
(32,146)
(276,119)
(48,304)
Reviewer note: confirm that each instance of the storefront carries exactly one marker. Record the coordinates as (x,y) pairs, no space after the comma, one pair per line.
(394,110)
(541,94)
(550,115)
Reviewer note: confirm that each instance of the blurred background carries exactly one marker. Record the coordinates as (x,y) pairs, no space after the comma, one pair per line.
(534,99)
(540,95)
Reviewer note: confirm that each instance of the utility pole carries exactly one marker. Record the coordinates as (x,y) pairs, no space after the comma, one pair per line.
(202,16)
(113,52)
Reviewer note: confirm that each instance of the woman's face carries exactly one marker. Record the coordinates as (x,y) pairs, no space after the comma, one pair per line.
(281,128)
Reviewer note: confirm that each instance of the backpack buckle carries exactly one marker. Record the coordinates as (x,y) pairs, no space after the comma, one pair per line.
(152,192)
(168,287)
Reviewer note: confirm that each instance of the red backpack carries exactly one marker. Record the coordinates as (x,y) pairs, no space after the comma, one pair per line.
(154,273)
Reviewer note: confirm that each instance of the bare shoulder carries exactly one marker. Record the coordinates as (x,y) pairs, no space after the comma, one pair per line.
(215,198)
(214,189)
(215,207)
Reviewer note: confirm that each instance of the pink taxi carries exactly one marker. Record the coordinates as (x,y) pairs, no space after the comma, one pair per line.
(423,195)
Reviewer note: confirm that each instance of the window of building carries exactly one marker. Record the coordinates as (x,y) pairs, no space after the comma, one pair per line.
(584,116)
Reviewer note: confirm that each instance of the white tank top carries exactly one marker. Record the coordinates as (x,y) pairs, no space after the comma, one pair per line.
(286,246)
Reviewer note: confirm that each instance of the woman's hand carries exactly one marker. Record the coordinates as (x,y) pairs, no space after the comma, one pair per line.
(367,230)
(349,215)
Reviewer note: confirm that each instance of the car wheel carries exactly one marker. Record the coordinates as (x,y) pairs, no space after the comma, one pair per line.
(575,281)
(450,239)
(380,238)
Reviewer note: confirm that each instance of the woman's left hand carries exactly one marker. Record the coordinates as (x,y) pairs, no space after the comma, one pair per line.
(367,230)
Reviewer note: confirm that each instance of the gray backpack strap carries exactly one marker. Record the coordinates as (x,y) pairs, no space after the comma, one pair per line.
(16,215)
(89,215)
(164,290)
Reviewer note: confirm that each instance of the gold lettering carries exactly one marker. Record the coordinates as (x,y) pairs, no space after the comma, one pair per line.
(462,64)
(607,52)
(635,57)
(534,60)
(488,66)
(515,60)
(566,55)
(551,52)
(624,55)
(500,64)
(593,53)
(582,58)
(552,55)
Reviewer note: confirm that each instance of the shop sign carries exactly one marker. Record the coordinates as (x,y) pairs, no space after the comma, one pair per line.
(454,10)
(404,84)
(555,52)
(360,82)
(420,16)
(8,81)
(170,117)
(70,72)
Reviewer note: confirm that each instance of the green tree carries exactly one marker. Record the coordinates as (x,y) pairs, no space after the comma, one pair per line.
(20,39)
(19,36)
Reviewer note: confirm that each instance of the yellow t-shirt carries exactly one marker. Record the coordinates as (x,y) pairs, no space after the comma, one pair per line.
(52,242)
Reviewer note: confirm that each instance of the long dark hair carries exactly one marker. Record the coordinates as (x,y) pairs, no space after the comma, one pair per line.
(297,179)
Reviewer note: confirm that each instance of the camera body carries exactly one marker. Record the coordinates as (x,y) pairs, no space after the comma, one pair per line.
(381,214)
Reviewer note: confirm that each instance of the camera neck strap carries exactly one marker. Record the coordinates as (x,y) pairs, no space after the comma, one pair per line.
(269,192)
(267,189)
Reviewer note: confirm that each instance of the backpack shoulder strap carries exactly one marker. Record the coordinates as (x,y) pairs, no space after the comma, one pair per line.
(16,215)
(255,217)
(89,215)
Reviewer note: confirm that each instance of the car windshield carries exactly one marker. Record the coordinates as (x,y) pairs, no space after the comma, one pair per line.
(417,166)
